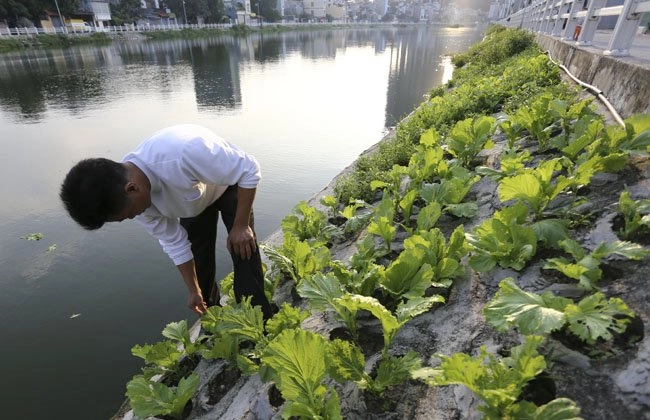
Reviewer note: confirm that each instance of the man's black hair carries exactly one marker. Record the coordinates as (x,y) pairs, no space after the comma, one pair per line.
(93,191)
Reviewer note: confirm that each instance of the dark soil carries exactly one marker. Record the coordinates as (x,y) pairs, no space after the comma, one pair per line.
(639,236)
(275,397)
(222,383)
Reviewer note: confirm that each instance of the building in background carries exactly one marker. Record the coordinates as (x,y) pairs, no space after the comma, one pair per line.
(337,12)
(98,11)
(381,7)
(315,8)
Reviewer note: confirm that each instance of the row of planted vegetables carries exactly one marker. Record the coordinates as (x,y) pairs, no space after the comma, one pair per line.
(507,96)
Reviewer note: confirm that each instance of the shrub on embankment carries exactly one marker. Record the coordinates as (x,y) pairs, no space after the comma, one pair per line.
(473,191)
(51,41)
(503,72)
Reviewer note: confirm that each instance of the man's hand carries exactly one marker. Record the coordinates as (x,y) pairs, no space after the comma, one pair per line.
(241,242)
(195,302)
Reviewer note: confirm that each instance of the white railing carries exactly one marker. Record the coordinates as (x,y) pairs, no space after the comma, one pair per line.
(167,27)
(577,20)
(122,28)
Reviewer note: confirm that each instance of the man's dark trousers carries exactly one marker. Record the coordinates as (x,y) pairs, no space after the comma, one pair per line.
(202,234)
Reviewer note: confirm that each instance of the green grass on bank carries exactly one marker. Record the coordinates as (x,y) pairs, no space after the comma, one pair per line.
(15,43)
(547,143)
(51,41)
(503,72)
(241,30)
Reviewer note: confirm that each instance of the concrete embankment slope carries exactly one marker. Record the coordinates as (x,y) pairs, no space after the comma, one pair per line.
(618,386)
(624,81)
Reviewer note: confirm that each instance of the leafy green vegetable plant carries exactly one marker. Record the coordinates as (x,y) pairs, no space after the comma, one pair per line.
(593,318)
(322,291)
(469,136)
(427,160)
(330,202)
(346,362)
(406,204)
(382,223)
(503,239)
(232,325)
(510,128)
(512,162)
(325,292)
(635,214)
(541,118)
(296,258)
(148,398)
(363,280)
(393,186)
(384,228)
(451,190)
(499,383)
(179,332)
(390,323)
(295,362)
(355,221)
(586,266)
(427,260)
(427,217)
(585,132)
(164,357)
(307,223)
(228,327)
(159,358)
(537,187)
(634,138)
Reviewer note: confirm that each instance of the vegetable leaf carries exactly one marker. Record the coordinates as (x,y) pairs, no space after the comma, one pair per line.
(153,398)
(498,382)
(596,317)
(345,362)
(530,313)
(296,363)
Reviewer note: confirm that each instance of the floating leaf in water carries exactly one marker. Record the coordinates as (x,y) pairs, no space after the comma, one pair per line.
(51,248)
(33,237)
(74,316)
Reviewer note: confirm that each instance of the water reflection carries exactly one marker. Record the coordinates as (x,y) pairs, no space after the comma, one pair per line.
(74,79)
(304,103)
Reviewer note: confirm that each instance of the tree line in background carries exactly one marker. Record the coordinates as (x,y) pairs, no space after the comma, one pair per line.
(27,13)
(21,12)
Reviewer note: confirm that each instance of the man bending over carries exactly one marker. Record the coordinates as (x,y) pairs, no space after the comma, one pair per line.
(175,184)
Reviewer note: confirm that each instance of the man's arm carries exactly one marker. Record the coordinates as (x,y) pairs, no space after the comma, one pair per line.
(241,239)
(195,300)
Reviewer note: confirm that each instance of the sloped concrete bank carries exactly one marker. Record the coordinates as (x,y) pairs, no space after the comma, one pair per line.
(625,81)
(615,386)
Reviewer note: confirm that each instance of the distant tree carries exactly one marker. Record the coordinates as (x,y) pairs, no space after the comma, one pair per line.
(13,10)
(126,11)
(217,11)
(68,7)
(266,9)
(37,8)
(176,7)
(197,8)
(212,11)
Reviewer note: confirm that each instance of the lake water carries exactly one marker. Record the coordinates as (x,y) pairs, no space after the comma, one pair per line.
(306,104)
